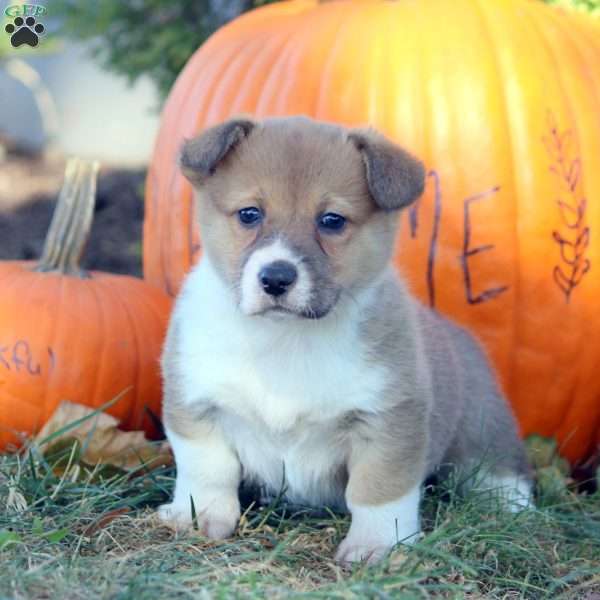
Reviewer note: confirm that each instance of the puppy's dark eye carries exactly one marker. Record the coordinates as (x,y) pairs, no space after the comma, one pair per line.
(250,216)
(331,222)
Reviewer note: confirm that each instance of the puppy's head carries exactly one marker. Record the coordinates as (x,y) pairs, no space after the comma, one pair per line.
(295,213)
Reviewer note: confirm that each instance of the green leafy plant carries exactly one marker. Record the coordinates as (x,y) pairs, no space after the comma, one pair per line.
(146,37)
(587,6)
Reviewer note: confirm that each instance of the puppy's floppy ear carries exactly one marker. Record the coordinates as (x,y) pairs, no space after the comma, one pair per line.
(200,156)
(394,177)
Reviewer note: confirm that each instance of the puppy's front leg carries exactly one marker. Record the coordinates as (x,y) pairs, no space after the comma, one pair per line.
(383,496)
(208,471)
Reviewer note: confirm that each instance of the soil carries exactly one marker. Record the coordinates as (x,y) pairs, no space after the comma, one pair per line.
(29,186)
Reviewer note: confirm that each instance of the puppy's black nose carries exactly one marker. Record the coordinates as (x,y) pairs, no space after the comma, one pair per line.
(277,277)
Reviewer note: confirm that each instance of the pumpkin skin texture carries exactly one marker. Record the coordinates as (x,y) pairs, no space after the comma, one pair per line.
(70,335)
(501,99)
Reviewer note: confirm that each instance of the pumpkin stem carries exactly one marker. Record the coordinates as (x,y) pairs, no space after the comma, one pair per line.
(72,220)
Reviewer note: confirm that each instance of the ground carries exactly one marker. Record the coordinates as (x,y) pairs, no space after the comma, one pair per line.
(84,533)
(68,531)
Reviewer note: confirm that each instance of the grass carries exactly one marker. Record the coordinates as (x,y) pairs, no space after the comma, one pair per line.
(72,532)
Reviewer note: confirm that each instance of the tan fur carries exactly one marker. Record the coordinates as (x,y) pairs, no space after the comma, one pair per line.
(329,179)
(388,454)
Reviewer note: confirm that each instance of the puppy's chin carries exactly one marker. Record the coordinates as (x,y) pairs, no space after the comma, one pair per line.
(279,312)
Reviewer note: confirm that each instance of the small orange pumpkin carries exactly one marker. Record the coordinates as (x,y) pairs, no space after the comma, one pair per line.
(501,98)
(66,334)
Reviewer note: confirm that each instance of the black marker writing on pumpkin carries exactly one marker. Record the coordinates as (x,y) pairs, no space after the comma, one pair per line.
(52,359)
(16,360)
(19,357)
(33,370)
(413,216)
(3,359)
(573,242)
(468,252)
(437,213)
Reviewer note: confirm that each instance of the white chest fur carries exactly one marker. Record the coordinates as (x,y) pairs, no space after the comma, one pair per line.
(281,386)
(306,462)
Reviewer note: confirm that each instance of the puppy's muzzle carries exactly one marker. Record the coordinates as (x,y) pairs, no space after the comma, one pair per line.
(277,277)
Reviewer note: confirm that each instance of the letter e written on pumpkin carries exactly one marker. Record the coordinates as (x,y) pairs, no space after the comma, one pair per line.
(468,251)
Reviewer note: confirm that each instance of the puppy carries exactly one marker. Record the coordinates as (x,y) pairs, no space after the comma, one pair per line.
(296,357)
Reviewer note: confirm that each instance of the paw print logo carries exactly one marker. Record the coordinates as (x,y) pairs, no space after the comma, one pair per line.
(24,31)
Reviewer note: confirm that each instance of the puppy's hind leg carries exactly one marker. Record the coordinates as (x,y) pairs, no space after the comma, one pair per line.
(487,448)
(490,461)
(513,491)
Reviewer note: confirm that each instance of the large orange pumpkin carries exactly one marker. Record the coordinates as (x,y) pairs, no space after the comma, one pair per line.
(501,98)
(70,335)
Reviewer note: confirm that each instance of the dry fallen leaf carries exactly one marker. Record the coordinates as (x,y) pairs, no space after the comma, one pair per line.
(97,439)
(105,520)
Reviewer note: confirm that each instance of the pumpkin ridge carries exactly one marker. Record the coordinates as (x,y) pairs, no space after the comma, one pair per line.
(266,67)
(271,68)
(120,300)
(593,74)
(139,335)
(376,60)
(574,412)
(549,416)
(383,68)
(309,32)
(247,63)
(561,412)
(150,302)
(594,443)
(509,380)
(102,346)
(306,34)
(147,302)
(53,333)
(332,59)
(26,284)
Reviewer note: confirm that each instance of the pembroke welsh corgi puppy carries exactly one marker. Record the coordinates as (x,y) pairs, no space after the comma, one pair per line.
(296,358)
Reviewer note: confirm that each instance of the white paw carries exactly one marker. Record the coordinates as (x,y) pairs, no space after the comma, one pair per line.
(216,518)
(375,530)
(513,492)
(353,551)
(371,550)
(175,516)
